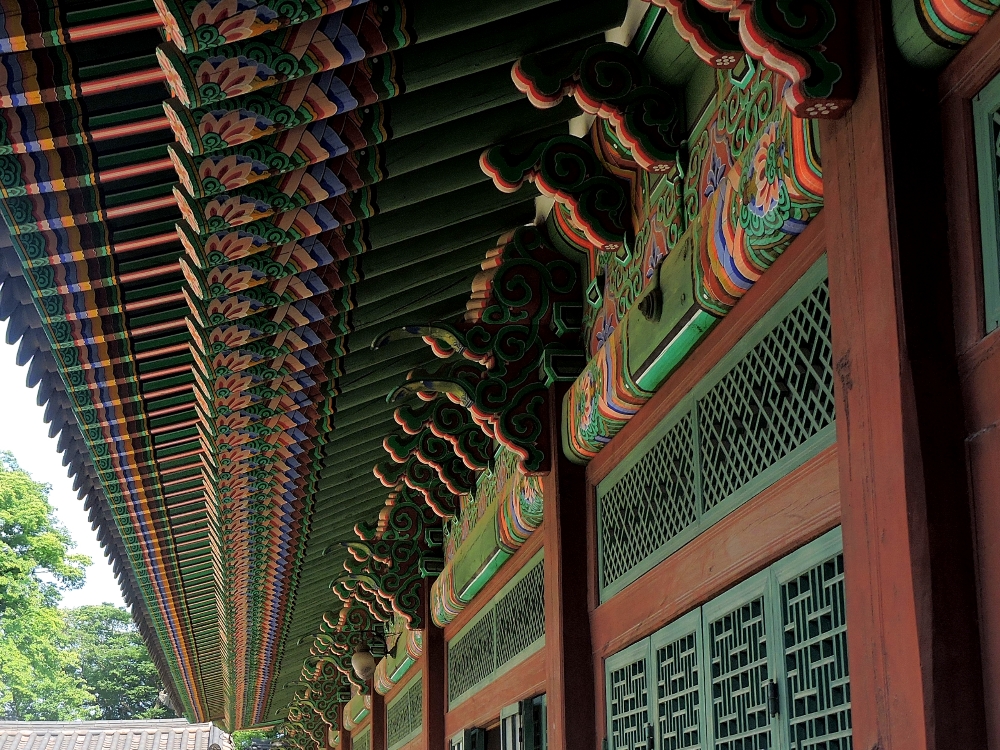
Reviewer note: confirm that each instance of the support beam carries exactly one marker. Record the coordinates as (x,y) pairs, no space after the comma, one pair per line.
(911,608)
(569,673)
(435,700)
(378,728)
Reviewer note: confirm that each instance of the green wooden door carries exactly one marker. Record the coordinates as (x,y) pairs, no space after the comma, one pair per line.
(762,666)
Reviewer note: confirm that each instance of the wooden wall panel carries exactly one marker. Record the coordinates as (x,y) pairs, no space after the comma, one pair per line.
(483,707)
(978,355)
(913,633)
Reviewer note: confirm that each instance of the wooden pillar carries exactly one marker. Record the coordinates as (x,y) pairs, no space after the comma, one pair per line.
(378,727)
(345,736)
(911,606)
(434,672)
(570,675)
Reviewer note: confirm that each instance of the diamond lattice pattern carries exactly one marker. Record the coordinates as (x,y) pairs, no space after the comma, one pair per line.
(777,397)
(509,626)
(651,504)
(404,714)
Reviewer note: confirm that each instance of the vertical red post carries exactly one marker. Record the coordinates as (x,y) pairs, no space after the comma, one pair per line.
(907,544)
(345,736)
(434,666)
(570,676)
(379,739)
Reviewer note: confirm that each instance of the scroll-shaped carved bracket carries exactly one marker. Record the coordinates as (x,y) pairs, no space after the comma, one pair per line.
(452,423)
(306,727)
(354,627)
(610,81)
(328,687)
(567,169)
(808,42)
(531,298)
(405,517)
(396,570)
(435,452)
(419,476)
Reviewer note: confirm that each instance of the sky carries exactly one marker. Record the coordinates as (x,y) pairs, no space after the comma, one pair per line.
(23,433)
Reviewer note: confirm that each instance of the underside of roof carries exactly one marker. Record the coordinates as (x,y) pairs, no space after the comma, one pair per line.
(350,200)
(259,247)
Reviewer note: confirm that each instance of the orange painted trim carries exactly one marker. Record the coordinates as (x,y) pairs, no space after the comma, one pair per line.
(105,29)
(483,707)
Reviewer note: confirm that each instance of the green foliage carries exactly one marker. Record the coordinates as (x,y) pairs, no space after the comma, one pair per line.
(34,549)
(115,664)
(39,671)
(244,738)
(60,665)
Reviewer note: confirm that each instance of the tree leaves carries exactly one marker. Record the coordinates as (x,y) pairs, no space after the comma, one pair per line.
(60,665)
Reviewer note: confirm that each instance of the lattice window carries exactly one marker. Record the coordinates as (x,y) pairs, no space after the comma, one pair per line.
(471,658)
(650,505)
(520,616)
(737,645)
(761,666)
(404,713)
(777,396)
(506,630)
(818,697)
(363,741)
(761,412)
(678,685)
(628,705)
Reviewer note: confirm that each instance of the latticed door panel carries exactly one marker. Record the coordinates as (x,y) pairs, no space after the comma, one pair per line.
(773,400)
(817,679)
(676,652)
(627,674)
(363,741)
(762,666)
(651,504)
(740,672)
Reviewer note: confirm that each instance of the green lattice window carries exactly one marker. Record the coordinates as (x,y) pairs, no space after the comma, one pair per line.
(404,713)
(761,412)
(986,115)
(762,666)
(508,629)
(363,741)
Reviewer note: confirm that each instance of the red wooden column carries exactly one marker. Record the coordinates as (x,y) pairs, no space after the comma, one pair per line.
(570,674)
(379,739)
(345,736)
(434,666)
(911,606)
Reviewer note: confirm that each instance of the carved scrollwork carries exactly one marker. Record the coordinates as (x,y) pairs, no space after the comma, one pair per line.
(529,316)
(610,81)
(567,169)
